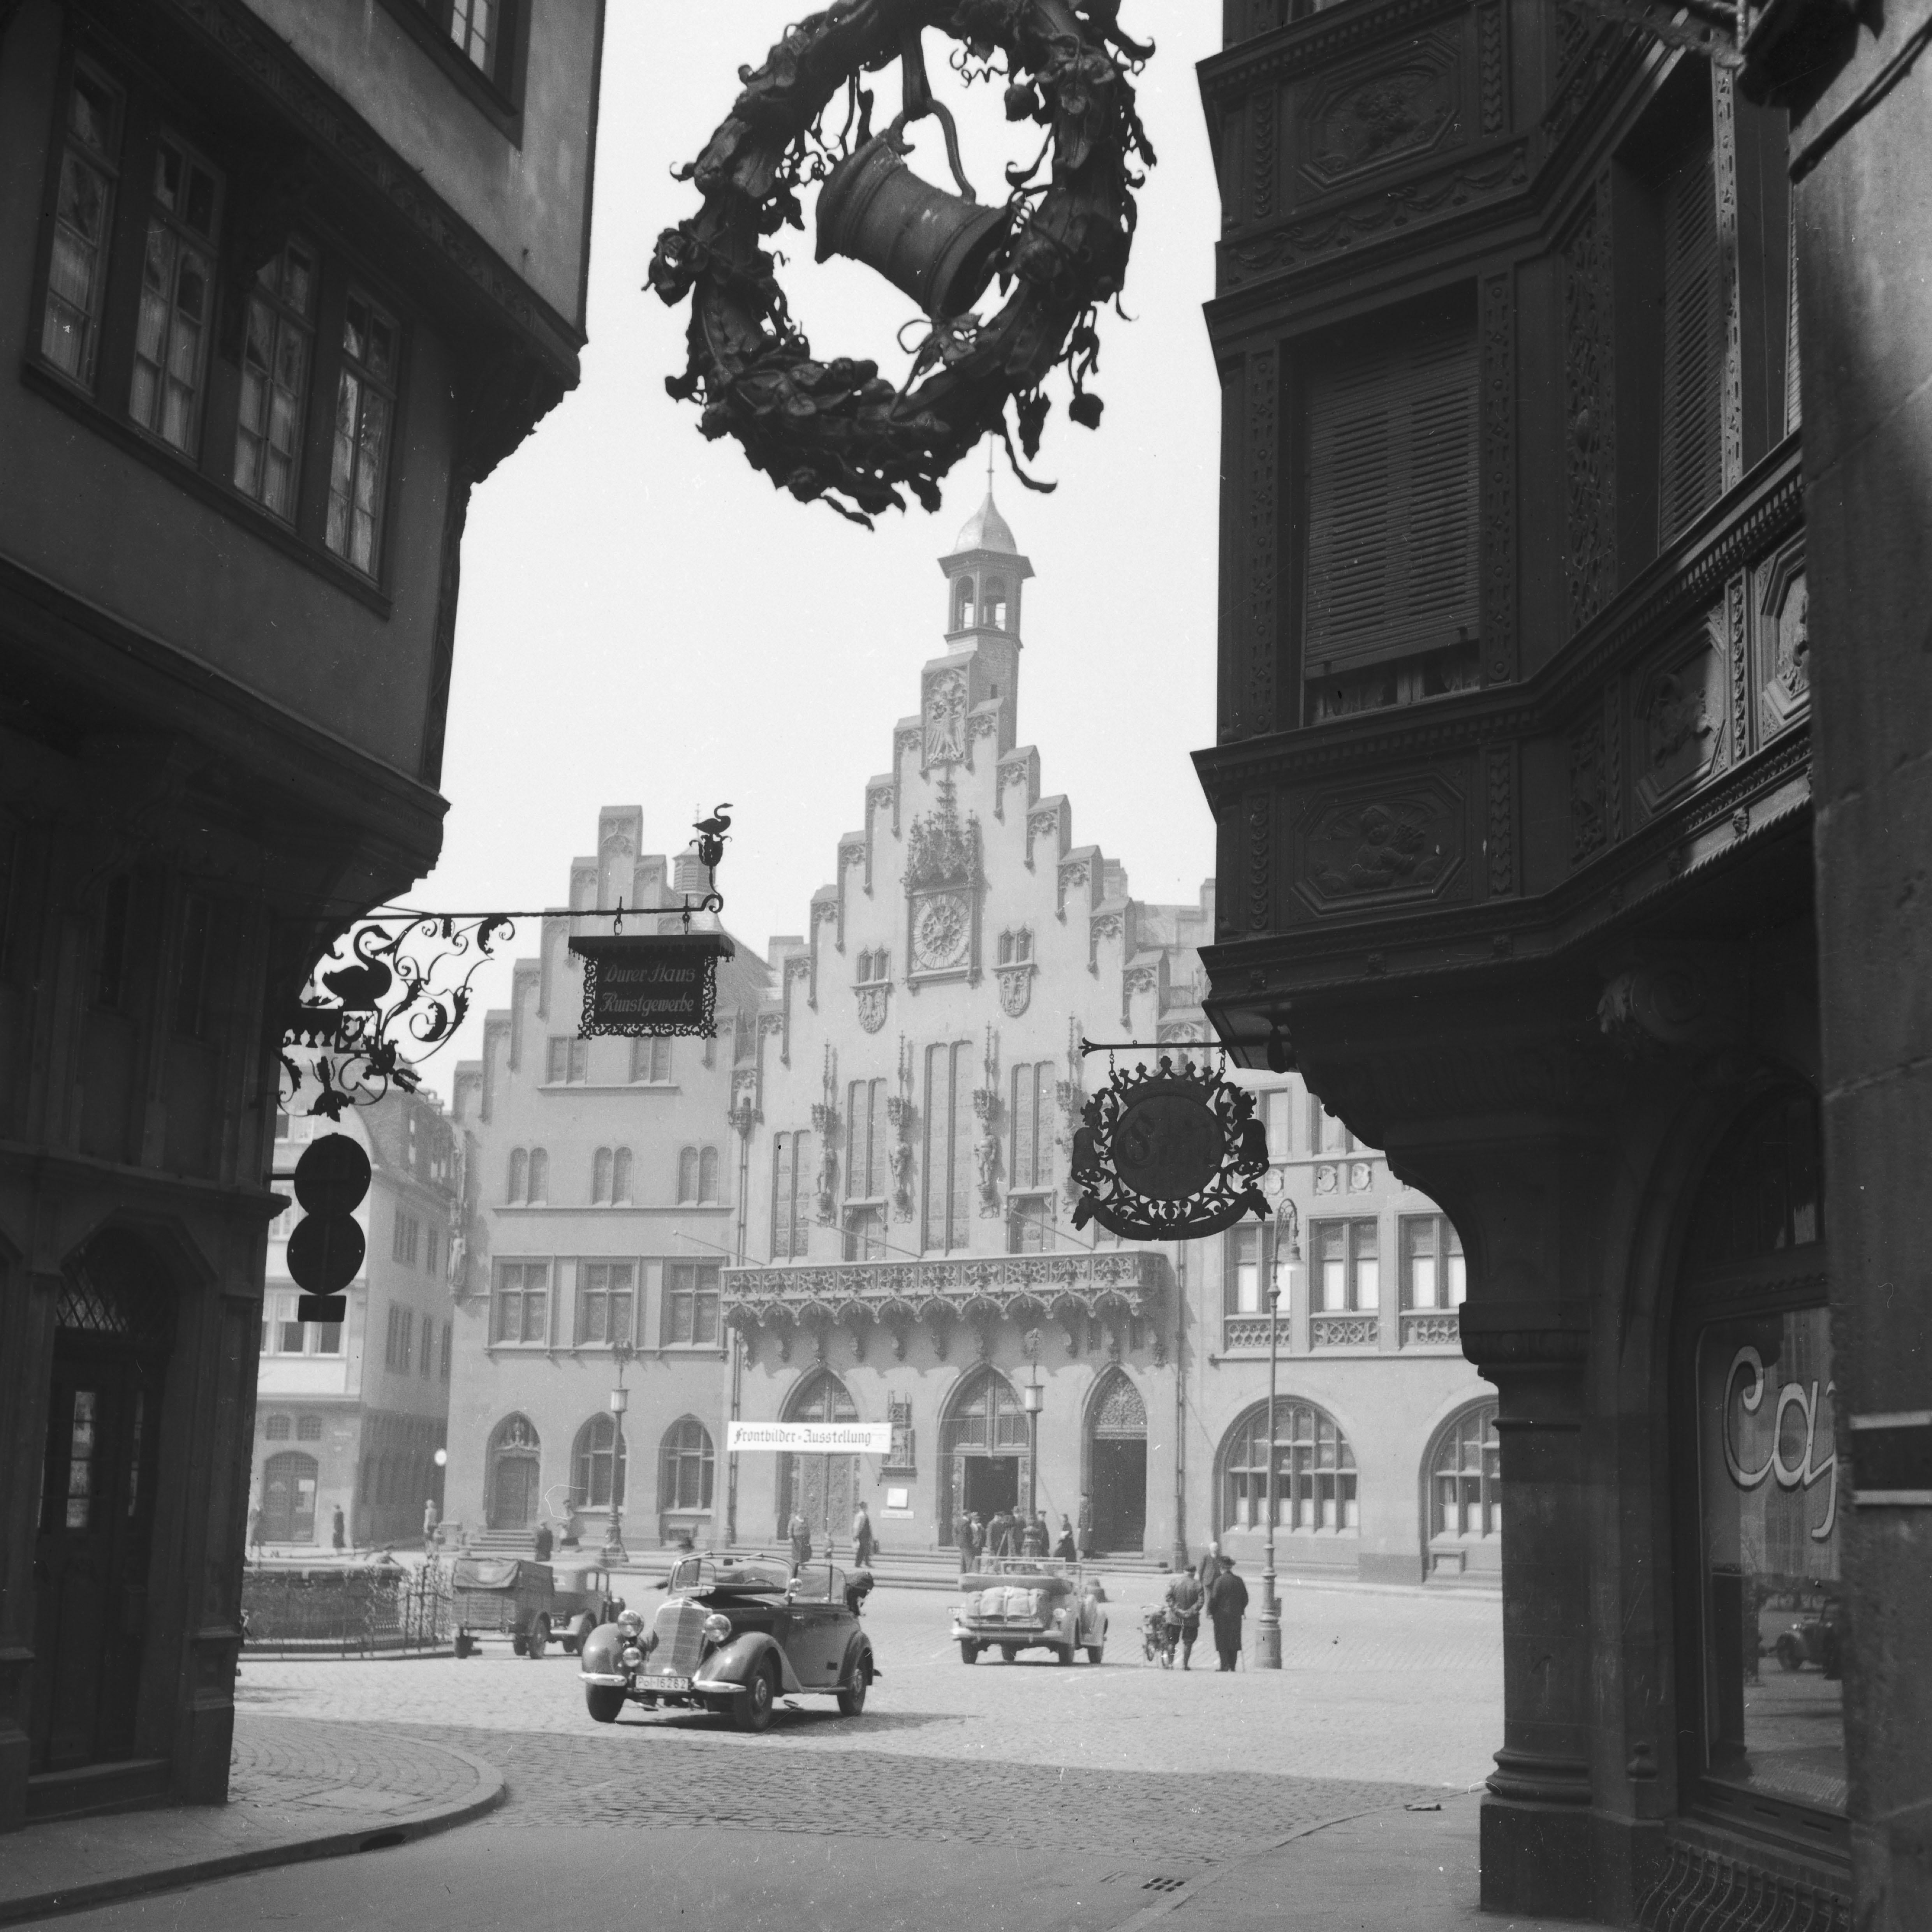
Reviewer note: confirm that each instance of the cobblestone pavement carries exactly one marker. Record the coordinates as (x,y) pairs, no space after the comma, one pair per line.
(1385,1698)
(280,1762)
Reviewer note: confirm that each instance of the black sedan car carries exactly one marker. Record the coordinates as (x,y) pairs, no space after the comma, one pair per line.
(733,1636)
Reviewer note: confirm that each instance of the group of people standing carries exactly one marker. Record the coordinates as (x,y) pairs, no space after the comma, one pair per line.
(1212,1586)
(864,1542)
(1011,1533)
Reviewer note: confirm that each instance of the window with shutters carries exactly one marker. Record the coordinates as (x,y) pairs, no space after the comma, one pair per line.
(1691,445)
(948,1146)
(791,1196)
(866,1140)
(1391,491)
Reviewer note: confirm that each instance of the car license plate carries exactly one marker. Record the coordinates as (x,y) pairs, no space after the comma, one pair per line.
(663,1686)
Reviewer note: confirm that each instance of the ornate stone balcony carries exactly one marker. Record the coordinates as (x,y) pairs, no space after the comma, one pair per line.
(1074,1289)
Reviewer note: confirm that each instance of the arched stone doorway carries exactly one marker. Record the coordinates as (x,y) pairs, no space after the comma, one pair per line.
(983,1448)
(1117,1464)
(114,1332)
(1462,1510)
(515,1462)
(824,1490)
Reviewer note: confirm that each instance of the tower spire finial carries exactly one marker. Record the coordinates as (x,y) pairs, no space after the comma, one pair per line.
(989,463)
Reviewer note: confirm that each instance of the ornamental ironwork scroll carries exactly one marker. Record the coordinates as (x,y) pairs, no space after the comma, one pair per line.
(390,992)
(1169,1154)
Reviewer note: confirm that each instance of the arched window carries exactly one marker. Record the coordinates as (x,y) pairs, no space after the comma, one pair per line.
(277,1430)
(707,1175)
(620,1179)
(984,1417)
(687,1174)
(600,1177)
(308,1428)
(993,609)
(539,1175)
(684,1466)
(520,1175)
(288,1497)
(1314,1478)
(597,1465)
(1465,1471)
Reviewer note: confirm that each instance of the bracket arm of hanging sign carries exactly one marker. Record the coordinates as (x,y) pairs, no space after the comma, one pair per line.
(395,988)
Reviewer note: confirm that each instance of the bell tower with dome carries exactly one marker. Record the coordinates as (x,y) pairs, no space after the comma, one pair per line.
(984,571)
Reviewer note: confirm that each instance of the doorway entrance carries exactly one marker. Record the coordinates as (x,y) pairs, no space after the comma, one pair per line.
(114,1331)
(824,1490)
(1116,1464)
(288,1497)
(982,1453)
(514,1494)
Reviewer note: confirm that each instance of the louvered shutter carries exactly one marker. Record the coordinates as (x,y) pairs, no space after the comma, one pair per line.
(1392,481)
(1690,469)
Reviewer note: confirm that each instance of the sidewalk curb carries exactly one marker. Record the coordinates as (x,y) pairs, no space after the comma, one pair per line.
(375,1834)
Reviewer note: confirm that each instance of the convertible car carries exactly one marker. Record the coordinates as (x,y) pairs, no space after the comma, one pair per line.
(1029,1603)
(733,1635)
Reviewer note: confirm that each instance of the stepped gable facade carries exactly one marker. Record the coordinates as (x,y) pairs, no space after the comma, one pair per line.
(602,1184)
(915,1078)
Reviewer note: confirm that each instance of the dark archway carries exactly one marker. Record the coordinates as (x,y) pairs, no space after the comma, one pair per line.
(983,1448)
(1117,1464)
(115,1327)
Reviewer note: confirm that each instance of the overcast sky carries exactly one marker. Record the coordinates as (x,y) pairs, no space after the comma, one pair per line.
(645,621)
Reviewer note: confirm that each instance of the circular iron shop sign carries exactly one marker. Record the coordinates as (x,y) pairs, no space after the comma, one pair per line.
(1169,1153)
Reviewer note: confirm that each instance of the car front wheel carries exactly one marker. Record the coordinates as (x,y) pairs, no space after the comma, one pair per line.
(852,1695)
(753,1710)
(603,1701)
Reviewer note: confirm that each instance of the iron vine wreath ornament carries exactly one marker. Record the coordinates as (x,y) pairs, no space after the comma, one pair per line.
(836,431)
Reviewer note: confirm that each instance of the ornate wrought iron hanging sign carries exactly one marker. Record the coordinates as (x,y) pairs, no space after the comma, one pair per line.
(833,428)
(395,989)
(1169,1153)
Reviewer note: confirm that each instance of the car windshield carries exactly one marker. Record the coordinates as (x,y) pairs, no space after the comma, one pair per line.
(732,1573)
(819,1583)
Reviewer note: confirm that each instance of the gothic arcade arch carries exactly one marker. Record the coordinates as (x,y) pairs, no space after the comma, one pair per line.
(983,1447)
(824,1490)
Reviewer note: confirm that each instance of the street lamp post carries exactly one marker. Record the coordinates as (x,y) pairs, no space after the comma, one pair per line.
(1033,1396)
(1288,1223)
(620,1401)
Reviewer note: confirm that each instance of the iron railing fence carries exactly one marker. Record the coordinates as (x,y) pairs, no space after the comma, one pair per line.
(348,1612)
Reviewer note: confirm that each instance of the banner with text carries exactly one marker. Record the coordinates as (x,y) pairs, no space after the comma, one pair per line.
(809,1438)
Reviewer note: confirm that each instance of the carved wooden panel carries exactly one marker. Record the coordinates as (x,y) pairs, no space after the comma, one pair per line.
(1589,399)
(1387,841)
(1380,109)
(1784,642)
(1493,56)
(1679,722)
(1264,151)
(1499,776)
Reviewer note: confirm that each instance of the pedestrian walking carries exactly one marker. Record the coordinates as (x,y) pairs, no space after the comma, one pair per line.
(1211,1566)
(338,1529)
(1032,1538)
(972,1540)
(1183,1612)
(254,1529)
(862,1537)
(1086,1524)
(1227,1604)
(800,1532)
(543,1542)
(1063,1549)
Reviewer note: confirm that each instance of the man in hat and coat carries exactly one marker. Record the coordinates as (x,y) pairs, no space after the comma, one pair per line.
(1227,1604)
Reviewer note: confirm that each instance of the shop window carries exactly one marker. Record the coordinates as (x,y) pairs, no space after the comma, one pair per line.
(1314,1473)
(1761,1523)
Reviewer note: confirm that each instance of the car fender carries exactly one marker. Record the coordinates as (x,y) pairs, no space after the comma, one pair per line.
(600,1649)
(858,1657)
(733,1663)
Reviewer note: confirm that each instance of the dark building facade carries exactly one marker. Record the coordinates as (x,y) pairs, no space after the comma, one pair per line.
(279,283)
(1514,792)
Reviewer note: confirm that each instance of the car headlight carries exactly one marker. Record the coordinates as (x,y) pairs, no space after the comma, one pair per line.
(717,1628)
(630,1624)
(631,1658)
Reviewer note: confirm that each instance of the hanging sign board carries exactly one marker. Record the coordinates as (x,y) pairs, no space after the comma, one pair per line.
(810,1439)
(650,985)
(1168,1155)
